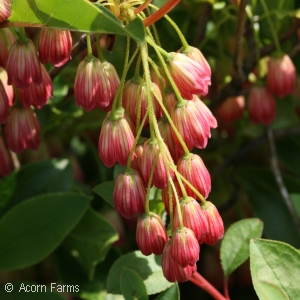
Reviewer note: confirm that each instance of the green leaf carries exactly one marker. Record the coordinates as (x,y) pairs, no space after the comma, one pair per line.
(39,291)
(235,244)
(76,15)
(172,293)
(33,229)
(276,263)
(132,285)
(296,201)
(147,267)
(91,238)
(37,178)
(106,191)
(269,291)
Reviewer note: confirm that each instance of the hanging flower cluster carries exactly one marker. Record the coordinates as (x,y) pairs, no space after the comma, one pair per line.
(163,98)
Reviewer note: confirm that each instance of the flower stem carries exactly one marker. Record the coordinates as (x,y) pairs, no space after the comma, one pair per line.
(89,45)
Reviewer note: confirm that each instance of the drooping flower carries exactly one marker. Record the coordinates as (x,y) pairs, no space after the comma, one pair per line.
(166,199)
(172,270)
(37,95)
(189,76)
(231,109)
(129,194)
(151,154)
(113,79)
(261,105)
(6,163)
(281,76)
(5,10)
(192,217)
(151,235)
(22,130)
(116,140)
(7,38)
(55,46)
(137,160)
(91,84)
(4,104)
(215,224)
(23,65)
(193,169)
(185,248)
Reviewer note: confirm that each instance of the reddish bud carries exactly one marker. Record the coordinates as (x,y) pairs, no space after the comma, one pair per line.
(173,271)
(113,80)
(192,217)
(7,38)
(4,104)
(137,160)
(192,168)
(151,235)
(185,248)
(91,84)
(231,109)
(23,65)
(159,81)
(191,123)
(116,140)
(22,130)
(281,76)
(37,95)
(5,10)
(6,163)
(160,176)
(261,105)
(165,197)
(189,76)
(55,46)
(129,194)
(215,224)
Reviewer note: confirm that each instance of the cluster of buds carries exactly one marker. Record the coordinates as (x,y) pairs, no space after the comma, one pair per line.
(164,100)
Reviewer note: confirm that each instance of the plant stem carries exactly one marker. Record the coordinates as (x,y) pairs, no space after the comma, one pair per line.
(201,282)
(89,45)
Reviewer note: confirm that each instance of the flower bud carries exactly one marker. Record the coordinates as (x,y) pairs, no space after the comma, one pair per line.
(185,248)
(151,235)
(22,130)
(5,10)
(55,46)
(192,217)
(116,140)
(165,197)
(7,38)
(231,109)
(136,163)
(160,176)
(173,271)
(191,125)
(37,95)
(4,104)
(261,105)
(112,79)
(23,65)
(193,169)
(91,84)
(129,194)
(281,76)
(189,76)
(6,163)
(215,224)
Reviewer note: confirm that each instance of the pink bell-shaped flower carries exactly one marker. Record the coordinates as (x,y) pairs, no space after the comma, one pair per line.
(55,46)
(193,169)
(22,130)
(37,95)
(261,105)
(116,140)
(215,224)
(6,163)
(23,65)
(113,79)
(151,235)
(129,194)
(7,38)
(231,109)
(4,104)
(5,10)
(189,76)
(281,76)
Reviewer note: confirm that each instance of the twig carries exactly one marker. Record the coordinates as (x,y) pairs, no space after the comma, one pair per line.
(206,9)
(277,175)
(201,282)
(238,62)
(76,49)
